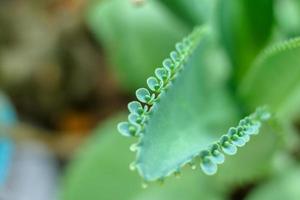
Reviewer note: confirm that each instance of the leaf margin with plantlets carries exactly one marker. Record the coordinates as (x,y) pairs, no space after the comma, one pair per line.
(139,114)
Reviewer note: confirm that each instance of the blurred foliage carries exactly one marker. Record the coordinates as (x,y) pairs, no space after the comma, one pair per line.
(287,13)
(283,186)
(136,37)
(8,116)
(6,153)
(245,27)
(258,86)
(193,12)
(48,62)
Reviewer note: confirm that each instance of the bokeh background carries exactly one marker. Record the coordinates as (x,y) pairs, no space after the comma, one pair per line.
(68,68)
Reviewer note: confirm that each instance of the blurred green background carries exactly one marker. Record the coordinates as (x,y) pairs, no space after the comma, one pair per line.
(68,68)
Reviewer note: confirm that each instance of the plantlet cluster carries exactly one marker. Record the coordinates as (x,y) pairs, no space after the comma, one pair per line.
(158,85)
(235,137)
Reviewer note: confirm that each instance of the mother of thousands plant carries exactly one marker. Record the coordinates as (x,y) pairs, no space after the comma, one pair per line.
(235,75)
(172,121)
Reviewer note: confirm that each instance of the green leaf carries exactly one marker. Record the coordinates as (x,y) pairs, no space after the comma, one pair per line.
(193,12)
(100,171)
(100,167)
(245,27)
(287,14)
(135,37)
(187,120)
(283,186)
(274,79)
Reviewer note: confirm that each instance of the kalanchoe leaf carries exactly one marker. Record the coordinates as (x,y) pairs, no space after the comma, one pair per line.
(241,133)
(127,129)
(235,138)
(174,56)
(208,166)
(217,156)
(227,146)
(135,119)
(232,131)
(246,138)
(144,95)
(154,84)
(169,64)
(135,107)
(162,74)
(253,130)
(240,130)
(238,141)
(172,115)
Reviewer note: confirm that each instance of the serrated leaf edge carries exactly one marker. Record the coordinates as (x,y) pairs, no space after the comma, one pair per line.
(277,48)
(266,54)
(183,51)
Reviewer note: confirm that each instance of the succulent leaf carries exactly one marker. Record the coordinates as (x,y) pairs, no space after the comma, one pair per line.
(274,79)
(170,138)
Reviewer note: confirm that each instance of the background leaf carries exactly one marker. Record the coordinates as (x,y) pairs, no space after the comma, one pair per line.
(193,12)
(282,186)
(136,37)
(287,13)
(244,28)
(274,79)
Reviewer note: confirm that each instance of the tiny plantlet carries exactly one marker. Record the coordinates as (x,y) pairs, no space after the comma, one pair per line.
(144,113)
